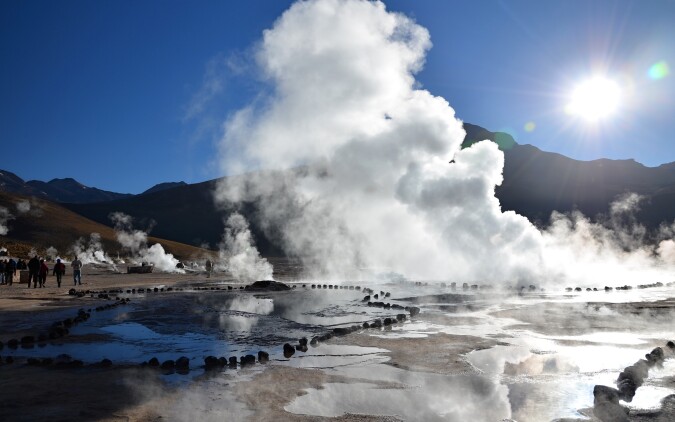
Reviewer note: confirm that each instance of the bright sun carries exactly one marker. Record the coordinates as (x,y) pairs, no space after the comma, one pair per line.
(595,99)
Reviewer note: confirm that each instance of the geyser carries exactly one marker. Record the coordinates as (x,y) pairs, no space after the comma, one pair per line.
(372,184)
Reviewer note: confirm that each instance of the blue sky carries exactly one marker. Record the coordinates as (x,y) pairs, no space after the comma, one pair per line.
(122,95)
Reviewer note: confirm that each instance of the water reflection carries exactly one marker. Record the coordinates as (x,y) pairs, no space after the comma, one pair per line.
(409,396)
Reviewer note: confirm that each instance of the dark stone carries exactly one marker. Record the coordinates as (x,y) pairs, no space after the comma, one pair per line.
(153,362)
(77,363)
(341,331)
(303,341)
(670,345)
(247,360)
(268,285)
(655,357)
(414,310)
(211,362)
(376,296)
(33,362)
(288,350)
(627,389)
(263,357)
(606,405)
(401,317)
(13,343)
(182,363)
(366,299)
(27,340)
(301,348)
(46,361)
(106,363)
(366,325)
(168,364)
(233,361)
(9,359)
(577,289)
(314,341)
(388,321)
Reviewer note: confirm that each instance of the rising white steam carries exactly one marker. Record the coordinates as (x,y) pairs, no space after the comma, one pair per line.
(5,217)
(377,189)
(23,206)
(614,251)
(136,243)
(373,186)
(91,252)
(52,253)
(239,254)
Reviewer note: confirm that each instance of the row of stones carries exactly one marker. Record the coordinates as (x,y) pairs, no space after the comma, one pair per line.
(59,329)
(606,399)
(625,287)
(182,364)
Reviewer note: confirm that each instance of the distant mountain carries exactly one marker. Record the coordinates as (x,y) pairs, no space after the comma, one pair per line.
(56,190)
(185,213)
(164,186)
(48,224)
(536,183)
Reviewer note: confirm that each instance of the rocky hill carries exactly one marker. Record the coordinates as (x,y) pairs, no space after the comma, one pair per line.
(39,224)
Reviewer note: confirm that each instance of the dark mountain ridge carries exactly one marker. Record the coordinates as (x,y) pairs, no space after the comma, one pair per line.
(56,190)
(536,183)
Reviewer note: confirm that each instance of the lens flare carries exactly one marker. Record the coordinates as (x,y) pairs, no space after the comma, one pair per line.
(529,127)
(658,70)
(595,99)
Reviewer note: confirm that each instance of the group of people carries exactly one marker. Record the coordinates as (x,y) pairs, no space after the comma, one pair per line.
(38,271)
(8,269)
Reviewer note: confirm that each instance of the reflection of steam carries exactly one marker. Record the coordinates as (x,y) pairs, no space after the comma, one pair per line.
(251,305)
(373,186)
(135,241)
(239,253)
(237,322)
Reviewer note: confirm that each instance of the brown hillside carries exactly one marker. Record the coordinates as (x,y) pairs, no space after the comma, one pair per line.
(48,224)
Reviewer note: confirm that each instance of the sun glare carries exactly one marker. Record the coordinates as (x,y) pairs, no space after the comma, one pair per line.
(595,99)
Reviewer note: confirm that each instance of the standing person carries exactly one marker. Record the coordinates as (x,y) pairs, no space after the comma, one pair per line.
(3,265)
(77,271)
(10,270)
(59,271)
(209,268)
(44,270)
(33,271)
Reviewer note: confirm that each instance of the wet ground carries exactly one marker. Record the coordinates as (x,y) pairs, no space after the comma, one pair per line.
(469,355)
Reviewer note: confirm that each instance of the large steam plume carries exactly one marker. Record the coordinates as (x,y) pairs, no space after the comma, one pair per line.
(91,252)
(239,254)
(136,243)
(373,186)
